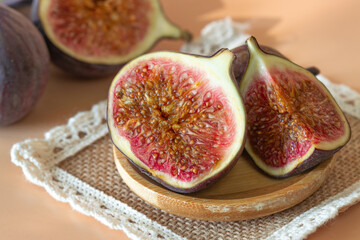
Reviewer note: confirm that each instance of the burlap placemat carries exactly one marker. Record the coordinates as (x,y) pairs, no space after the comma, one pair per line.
(95,166)
(75,164)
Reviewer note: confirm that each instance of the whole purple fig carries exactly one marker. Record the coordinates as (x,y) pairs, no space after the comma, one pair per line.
(24,65)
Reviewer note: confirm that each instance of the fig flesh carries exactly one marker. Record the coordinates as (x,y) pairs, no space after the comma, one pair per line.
(293,122)
(243,56)
(178,118)
(24,65)
(95,38)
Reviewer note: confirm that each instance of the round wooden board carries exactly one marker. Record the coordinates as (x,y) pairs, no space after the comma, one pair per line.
(244,193)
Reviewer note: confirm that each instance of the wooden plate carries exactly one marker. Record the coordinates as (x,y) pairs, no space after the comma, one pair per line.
(244,193)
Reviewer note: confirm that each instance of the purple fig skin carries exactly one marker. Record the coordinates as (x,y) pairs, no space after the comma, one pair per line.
(76,67)
(317,157)
(314,160)
(242,59)
(15,3)
(24,65)
(196,188)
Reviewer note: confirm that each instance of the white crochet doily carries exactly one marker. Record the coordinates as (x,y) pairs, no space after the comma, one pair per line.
(38,158)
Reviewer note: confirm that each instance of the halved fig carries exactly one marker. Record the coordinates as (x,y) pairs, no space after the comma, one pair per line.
(95,38)
(293,122)
(178,118)
(242,59)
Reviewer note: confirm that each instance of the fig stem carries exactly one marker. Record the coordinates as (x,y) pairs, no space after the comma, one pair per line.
(253,45)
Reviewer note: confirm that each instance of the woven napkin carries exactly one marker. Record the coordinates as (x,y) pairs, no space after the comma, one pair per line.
(75,164)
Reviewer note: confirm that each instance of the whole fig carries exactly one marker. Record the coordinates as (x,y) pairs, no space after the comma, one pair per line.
(15,3)
(24,65)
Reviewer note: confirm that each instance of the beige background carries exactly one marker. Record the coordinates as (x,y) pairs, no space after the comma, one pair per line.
(321,33)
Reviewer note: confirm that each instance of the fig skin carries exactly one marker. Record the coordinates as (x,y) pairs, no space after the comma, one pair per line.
(313,161)
(242,59)
(24,65)
(203,185)
(200,185)
(15,3)
(77,67)
(318,155)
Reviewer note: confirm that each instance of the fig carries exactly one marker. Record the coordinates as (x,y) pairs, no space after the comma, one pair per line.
(178,118)
(293,122)
(14,3)
(242,60)
(24,65)
(96,38)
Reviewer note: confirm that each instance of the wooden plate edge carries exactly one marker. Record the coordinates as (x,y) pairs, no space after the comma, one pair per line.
(218,209)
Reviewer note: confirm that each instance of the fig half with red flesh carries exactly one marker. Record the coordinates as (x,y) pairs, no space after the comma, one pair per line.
(95,38)
(293,122)
(178,118)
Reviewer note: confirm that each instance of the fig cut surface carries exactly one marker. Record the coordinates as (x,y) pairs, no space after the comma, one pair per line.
(179,118)
(105,32)
(293,121)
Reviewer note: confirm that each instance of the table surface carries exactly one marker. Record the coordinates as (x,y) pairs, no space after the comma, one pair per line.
(325,34)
